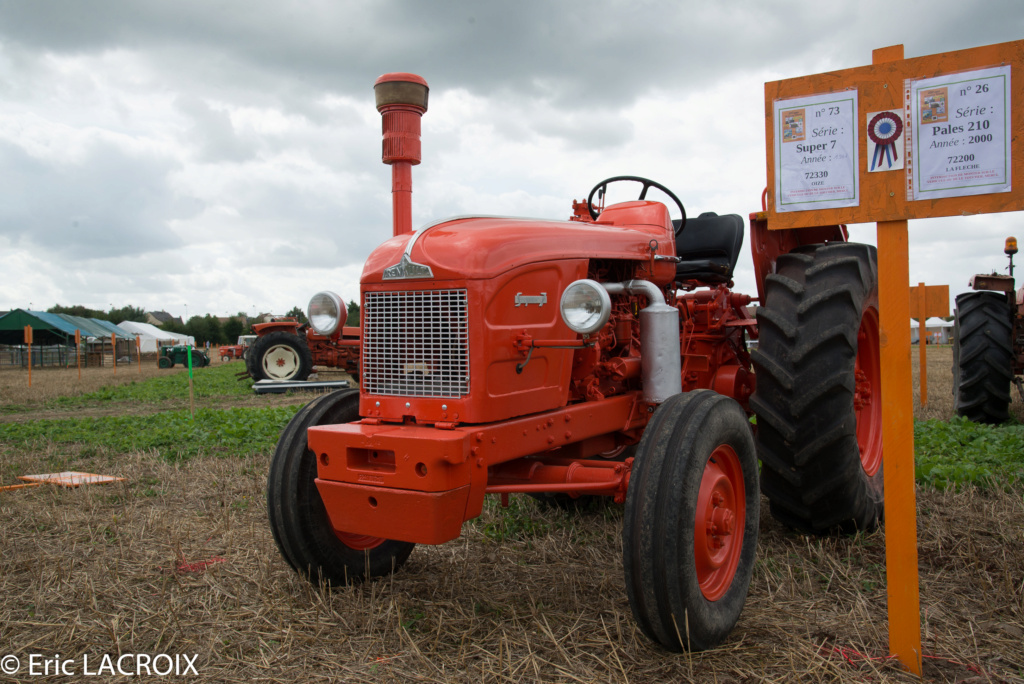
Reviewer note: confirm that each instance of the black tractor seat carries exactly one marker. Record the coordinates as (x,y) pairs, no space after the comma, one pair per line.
(709,247)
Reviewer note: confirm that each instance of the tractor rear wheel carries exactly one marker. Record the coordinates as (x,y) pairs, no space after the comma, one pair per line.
(983,357)
(818,401)
(298,519)
(691,521)
(280,356)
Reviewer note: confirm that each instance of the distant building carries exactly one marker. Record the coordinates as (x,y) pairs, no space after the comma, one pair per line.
(160,317)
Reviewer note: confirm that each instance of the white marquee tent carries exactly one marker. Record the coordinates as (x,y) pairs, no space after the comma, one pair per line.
(152,336)
(938,330)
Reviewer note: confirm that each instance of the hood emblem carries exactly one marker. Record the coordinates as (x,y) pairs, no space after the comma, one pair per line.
(526,300)
(406,269)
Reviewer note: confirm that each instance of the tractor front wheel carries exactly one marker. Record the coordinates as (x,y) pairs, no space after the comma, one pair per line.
(280,356)
(983,357)
(298,519)
(818,399)
(691,521)
(165,362)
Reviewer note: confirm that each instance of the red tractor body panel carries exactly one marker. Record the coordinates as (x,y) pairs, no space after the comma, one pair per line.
(287,325)
(479,248)
(445,472)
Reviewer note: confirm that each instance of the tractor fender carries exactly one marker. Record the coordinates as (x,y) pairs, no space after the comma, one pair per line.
(263,329)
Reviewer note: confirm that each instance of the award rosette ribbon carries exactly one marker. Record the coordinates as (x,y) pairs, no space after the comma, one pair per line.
(884,130)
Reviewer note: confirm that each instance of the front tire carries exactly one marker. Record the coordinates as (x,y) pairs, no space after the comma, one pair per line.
(298,518)
(983,357)
(281,356)
(691,521)
(818,398)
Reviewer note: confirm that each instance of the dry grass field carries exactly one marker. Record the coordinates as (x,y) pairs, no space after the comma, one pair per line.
(178,559)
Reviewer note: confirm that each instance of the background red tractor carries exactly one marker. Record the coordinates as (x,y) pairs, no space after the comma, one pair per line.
(604,355)
(288,350)
(988,345)
(229,352)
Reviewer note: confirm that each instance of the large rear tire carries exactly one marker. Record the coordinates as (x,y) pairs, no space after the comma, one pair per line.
(818,401)
(298,519)
(983,357)
(691,521)
(280,356)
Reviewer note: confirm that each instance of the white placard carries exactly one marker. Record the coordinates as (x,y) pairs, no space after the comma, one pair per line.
(960,134)
(816,152)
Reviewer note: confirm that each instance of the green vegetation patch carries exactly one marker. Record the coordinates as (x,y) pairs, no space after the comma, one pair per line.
(213,381)
(960,452)
(174,434)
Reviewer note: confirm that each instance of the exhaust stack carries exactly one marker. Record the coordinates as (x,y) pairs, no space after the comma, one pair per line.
(401,101)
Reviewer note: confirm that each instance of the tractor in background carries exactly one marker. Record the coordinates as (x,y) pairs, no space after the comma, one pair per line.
(240,350)
(286,349)
(603,355)
(988,345)
(178,354)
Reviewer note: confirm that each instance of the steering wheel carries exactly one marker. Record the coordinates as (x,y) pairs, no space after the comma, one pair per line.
(602,187)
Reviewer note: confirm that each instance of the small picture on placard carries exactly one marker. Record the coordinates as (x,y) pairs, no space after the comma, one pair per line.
(885,141)
(933,105)
(793,125)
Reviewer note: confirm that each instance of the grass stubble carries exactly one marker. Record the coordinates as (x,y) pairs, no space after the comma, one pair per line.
(120,569)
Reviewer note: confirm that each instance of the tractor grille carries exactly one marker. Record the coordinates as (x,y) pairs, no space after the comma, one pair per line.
(416,344)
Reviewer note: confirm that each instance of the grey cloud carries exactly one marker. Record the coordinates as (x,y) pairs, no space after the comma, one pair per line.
(213,133)
(108,204)
(573,54)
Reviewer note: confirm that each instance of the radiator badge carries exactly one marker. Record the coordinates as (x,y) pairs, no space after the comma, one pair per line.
(406,269)
(526,300)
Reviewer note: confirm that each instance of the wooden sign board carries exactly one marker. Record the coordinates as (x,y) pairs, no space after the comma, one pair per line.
(960,109)
(936,301)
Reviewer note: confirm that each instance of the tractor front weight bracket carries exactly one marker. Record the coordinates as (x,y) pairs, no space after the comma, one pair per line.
(420,483)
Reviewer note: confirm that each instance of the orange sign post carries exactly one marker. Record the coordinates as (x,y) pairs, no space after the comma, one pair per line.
(932,300)
(138,352)
(78,351)
(28,343)
(113,350)
(895,140)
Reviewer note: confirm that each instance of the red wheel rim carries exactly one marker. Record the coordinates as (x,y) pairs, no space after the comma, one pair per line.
(719,522)
(867,396)
(359,542)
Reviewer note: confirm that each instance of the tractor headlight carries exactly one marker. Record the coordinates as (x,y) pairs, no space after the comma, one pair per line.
(585,306)
(325,312)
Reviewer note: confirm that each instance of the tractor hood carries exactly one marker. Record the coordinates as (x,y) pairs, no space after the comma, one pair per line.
(484,247)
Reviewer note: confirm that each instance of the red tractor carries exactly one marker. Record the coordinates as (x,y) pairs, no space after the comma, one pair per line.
(229,352)
(988,345)
(604,355)
(287,350)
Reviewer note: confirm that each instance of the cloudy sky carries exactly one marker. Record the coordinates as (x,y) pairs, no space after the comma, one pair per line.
(225,156)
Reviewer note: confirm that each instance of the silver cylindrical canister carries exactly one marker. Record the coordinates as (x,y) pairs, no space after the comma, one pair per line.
(659,339)
(659,356)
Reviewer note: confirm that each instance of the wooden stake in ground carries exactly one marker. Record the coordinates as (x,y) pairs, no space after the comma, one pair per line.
(78,352)
(138,352)
(191,396)
(28,341)
(113,350)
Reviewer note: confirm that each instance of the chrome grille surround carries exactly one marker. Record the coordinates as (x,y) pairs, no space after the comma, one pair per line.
(415,343)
